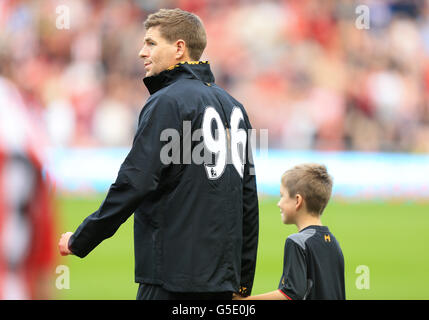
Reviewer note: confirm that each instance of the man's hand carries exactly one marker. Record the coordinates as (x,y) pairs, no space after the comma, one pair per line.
(63,244)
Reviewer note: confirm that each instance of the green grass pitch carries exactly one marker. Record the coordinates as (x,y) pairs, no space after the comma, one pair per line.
(390,238)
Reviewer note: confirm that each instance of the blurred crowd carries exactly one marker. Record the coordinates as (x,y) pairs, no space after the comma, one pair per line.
(305,70)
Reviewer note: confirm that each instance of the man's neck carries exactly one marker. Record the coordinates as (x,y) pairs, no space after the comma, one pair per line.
(184,60)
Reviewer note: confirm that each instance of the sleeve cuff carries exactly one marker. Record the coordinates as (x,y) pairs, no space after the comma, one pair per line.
(72,247)
(68,246)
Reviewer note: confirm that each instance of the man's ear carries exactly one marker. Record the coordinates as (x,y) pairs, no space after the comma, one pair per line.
(180,49)
(299,201)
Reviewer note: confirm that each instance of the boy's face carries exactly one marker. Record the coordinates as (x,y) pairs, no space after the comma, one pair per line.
(287,205)
(158,54)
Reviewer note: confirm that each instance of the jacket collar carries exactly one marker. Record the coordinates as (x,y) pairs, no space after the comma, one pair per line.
(199,70)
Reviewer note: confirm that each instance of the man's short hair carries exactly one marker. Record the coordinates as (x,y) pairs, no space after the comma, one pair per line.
(177,24)
(312,182)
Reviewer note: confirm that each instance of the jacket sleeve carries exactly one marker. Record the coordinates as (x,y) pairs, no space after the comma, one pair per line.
(250,222)
(138,177)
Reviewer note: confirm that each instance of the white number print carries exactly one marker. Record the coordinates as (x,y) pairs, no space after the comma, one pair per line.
(218,144)
(238,138)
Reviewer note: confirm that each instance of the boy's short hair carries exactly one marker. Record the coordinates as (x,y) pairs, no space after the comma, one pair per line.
(177,24)
(312,182)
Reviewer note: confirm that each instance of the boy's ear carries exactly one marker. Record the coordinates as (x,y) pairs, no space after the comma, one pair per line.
(299,201)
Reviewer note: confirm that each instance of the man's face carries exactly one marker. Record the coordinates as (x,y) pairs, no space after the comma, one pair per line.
(287,206)
(157,53)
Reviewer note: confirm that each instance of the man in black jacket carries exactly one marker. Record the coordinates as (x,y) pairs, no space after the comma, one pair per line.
(189,177)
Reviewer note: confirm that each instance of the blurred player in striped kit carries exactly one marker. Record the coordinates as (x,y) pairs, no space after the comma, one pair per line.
(26,221)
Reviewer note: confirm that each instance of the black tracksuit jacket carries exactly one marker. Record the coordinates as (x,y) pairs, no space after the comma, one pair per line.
(195,224)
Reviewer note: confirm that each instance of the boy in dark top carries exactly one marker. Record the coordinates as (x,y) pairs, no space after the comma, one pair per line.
(313,260)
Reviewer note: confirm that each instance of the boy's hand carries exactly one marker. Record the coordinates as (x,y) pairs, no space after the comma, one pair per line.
(63,244)
(236,296)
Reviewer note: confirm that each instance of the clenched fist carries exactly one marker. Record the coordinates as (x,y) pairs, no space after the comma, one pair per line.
(63,244)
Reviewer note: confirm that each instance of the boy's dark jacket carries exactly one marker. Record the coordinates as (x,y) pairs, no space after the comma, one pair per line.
(191,233)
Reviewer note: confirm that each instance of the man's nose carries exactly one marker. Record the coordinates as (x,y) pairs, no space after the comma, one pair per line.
(143,52)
